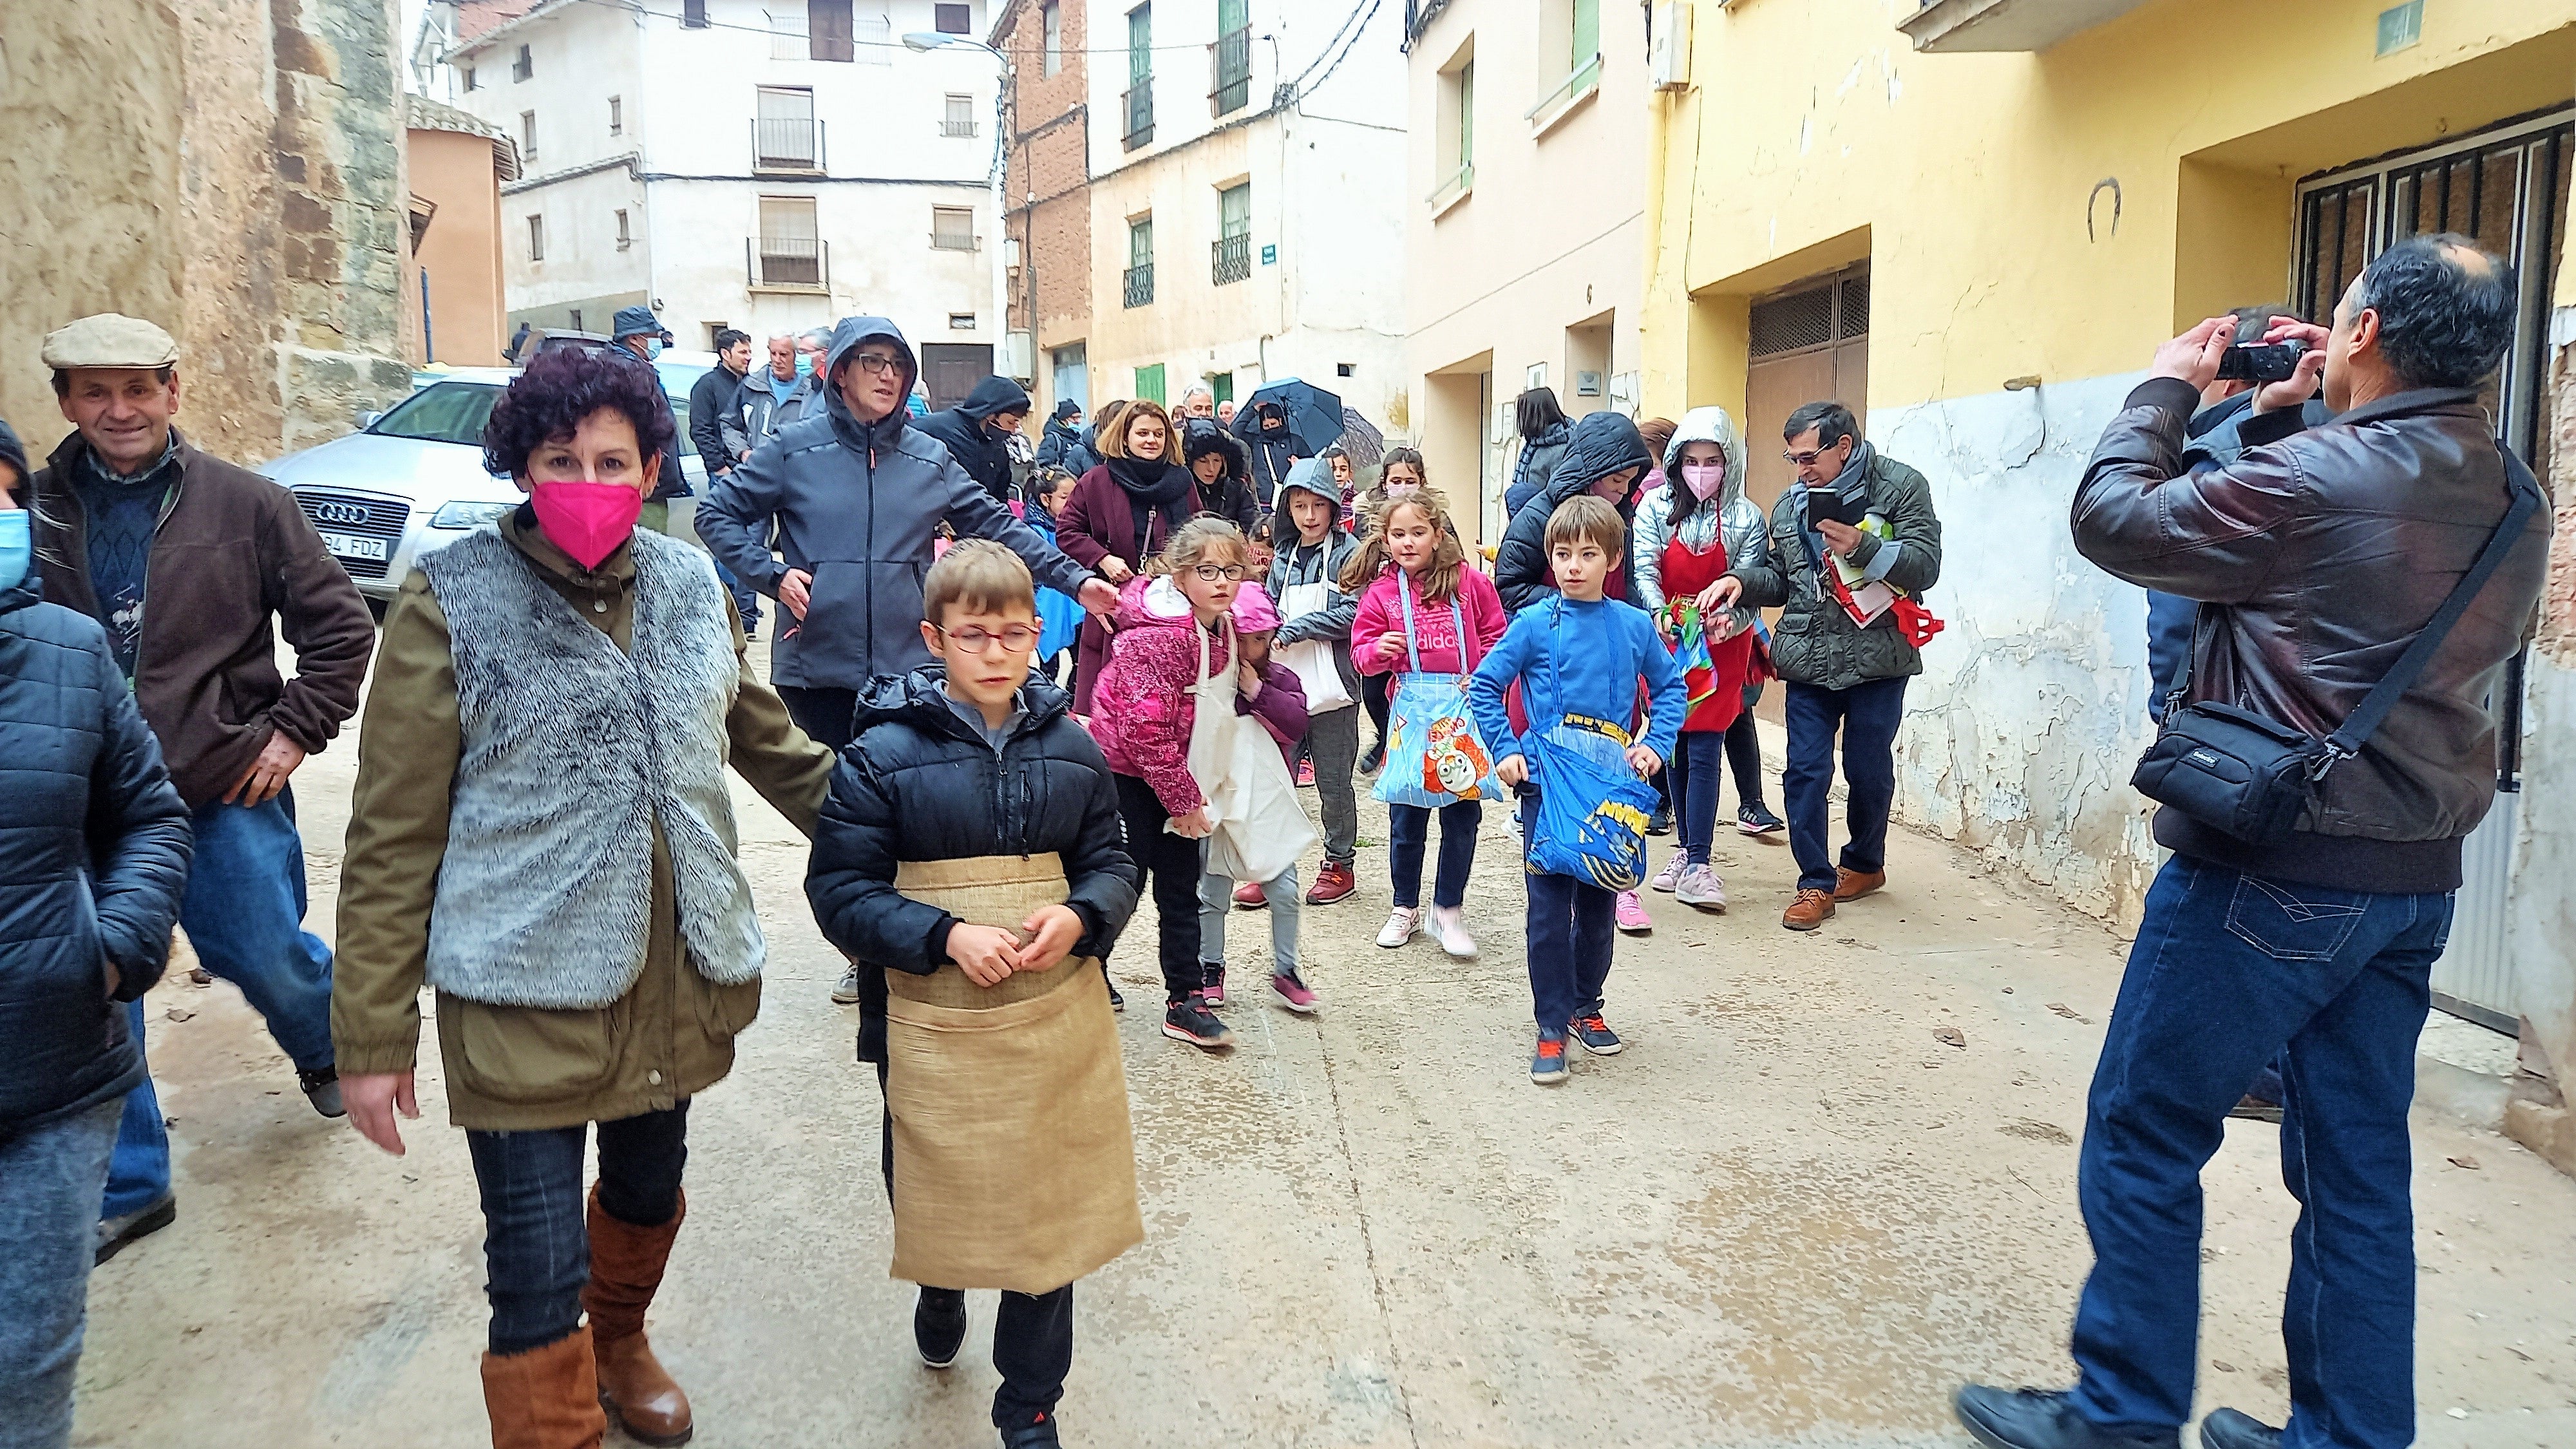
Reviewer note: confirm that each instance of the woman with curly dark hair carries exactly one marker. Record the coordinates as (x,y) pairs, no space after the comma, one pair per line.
(542,831)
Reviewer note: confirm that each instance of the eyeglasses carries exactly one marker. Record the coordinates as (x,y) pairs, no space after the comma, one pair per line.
(1016,639)
(1219,573)
(1807,460)
(878,363)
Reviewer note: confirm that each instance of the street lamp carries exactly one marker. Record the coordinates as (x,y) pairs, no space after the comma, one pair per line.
(922,42)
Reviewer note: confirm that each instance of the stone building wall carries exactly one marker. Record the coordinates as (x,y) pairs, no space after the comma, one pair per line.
(250,199)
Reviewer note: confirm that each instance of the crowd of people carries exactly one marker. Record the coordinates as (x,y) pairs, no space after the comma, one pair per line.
(1014,689)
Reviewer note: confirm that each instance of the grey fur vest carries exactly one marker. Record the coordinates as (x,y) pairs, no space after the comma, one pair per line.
(573,753)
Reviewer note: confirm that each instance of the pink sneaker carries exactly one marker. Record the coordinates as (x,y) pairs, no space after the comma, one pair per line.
(1293,993)
(1671,874)
(1632,915)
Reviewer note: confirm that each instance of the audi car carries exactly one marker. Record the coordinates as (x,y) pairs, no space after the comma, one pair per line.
(411,479)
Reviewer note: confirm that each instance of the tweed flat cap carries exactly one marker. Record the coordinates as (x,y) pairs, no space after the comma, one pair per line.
(109,339)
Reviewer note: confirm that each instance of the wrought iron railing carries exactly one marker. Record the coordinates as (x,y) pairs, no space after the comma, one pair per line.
(1229,259)
(1139,289)
(1139,105)
(1231,87)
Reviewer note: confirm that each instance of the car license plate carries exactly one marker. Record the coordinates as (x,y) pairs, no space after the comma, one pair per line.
(351,545)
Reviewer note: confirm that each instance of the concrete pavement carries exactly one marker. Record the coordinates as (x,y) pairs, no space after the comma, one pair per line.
(1791,1213)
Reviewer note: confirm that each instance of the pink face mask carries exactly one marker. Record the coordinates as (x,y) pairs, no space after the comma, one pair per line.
(586,520)
(1704,479)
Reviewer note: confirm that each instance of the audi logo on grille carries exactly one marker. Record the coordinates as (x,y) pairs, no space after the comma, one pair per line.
(340,513)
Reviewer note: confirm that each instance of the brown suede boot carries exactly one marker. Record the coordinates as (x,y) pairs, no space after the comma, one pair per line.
(625,1268)
(545,1398)
(1810,910)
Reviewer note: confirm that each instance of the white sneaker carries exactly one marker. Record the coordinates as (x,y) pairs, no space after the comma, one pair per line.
(1701,887)
(1448,925)
(1401,924)
(1671,874)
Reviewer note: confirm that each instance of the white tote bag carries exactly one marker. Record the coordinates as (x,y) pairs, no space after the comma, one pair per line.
(1312,660)
(1261,829)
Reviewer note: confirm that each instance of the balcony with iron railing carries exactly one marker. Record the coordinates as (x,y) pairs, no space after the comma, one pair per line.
(1139,289)
(1138,106)
(787,144)
(1230,84)
(1229,259)
(787,263)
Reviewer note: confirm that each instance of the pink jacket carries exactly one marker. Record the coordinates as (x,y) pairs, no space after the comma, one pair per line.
(1381,612)
(1141,710)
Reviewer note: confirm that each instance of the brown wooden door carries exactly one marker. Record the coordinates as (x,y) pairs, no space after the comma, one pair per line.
(1810,344)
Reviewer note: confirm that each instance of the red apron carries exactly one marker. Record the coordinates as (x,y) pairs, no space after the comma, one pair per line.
(1686,573)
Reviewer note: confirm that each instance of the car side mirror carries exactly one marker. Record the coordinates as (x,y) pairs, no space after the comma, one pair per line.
(368,420)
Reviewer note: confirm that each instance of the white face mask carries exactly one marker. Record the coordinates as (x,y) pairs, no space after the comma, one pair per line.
(1704,479)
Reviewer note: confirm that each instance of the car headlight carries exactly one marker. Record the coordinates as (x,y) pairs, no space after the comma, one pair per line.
(467,515)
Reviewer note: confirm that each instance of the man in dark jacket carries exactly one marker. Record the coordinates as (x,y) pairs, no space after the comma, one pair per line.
(965,761)
(636,332)
(712,400)
(978,431)
(1840,674)
(194,567)
(1063,435)
(93,852)
(1605,457)
(1263,427)
(2329,549)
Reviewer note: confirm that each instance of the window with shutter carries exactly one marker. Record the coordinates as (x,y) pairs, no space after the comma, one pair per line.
(953,19)
(830,30)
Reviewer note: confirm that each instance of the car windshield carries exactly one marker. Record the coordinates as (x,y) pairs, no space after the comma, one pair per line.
(447,412)
(677,379)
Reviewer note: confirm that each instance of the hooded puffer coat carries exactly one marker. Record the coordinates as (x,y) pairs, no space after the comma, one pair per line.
(1603,443)
(855,506)
(983,453)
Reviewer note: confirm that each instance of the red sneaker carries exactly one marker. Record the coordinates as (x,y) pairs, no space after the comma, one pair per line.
(1334,881)
(1248,897)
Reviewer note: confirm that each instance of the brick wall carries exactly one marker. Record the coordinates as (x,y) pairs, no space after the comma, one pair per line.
(1049,175)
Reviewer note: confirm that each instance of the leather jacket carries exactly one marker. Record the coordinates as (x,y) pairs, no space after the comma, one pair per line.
(2326,549)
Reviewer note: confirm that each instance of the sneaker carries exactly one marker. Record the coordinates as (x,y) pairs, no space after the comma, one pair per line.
(1374,760)
(847,992)
(1449,927)
(1661,822)
(1401,924)
(1757,821)
(1333,881)
(1547,1064)
(1595,1034)
(1632,915)
(322,1089)
(1038,1433)
(1189,1020)
(2032,1419)
(1701,887)
(1305,774)
(1293,993)
(1212,991)
(1671,874)
(1249,897)
(938,1325)
(1812,908)
(116,1233)
(1117,1002)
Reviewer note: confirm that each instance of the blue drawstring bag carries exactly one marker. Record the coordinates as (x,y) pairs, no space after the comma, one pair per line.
(1592,808)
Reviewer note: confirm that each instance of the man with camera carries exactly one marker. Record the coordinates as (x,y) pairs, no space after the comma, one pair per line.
(2315,820)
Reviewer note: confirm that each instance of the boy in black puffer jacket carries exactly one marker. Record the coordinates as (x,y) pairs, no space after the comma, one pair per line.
(971,853)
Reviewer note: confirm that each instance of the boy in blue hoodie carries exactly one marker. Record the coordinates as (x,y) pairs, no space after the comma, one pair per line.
(1577,657)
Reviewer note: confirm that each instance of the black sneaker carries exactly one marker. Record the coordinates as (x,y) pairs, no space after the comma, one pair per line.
(114,1234)
(1038,1433)
(1757,820)
(1374,760)
(1116,1001)
(1189,1020)
(2046,1419)
(939,1325)
(2232,1429)
(1661,822)
(322,1089)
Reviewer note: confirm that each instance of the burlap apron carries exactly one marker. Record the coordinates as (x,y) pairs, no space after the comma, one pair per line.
(1014,1166)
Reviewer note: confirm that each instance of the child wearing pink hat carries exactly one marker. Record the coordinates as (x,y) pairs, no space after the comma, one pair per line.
(1271,694)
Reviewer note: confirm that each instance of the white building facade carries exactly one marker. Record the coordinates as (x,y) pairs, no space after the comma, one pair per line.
(770,165)
(1247,164)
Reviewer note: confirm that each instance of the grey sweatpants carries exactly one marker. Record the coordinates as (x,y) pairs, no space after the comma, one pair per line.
(50,1181)
(1216,901)
(1333,742)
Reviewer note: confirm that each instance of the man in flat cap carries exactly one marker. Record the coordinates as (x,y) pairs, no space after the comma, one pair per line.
(194,566)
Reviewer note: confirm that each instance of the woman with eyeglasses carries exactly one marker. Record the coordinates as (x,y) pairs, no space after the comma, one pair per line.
(542,832)
(1120,516)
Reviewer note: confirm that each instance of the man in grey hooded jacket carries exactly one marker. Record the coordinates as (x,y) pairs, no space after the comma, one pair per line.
(857,494)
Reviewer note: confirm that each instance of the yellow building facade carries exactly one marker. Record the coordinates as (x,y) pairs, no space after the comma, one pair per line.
(1979,244)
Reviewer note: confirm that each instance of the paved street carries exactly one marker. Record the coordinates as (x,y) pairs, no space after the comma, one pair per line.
(1791,1213)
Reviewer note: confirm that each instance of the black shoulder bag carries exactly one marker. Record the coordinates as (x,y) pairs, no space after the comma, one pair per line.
(2235,771)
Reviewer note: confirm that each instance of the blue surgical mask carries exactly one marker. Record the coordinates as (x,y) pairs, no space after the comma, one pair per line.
(652,348)
(804,364)
(17,547)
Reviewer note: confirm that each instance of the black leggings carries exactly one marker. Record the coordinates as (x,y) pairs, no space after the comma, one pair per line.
(1744,759)
(1172,862)
(1377,695)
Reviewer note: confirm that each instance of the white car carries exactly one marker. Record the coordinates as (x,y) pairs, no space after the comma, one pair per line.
(412,479)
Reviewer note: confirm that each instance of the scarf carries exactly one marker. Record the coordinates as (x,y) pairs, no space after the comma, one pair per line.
(1152,486)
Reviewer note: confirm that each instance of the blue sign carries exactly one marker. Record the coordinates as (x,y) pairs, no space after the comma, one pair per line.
(1270,256)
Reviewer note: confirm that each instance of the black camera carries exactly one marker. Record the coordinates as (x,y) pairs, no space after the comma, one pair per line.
(2261,362)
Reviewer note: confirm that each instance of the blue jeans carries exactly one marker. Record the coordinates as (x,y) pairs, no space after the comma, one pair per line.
(244,914)
(536,1234)
(1867,714)
(1695,778)
(2229,971)
(1408,832)
(49,1182)
(1572,926)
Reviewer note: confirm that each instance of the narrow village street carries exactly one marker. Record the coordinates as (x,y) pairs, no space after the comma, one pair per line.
(1831,1178)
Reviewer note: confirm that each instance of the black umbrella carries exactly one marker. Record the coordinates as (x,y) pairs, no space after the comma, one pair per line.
(1314,415)
(1362,440)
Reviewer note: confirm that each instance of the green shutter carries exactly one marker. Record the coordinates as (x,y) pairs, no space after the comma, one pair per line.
(1466,116)
(1140,44)
(1587,34)
(1149,382)
(1232,15)
(1222,386)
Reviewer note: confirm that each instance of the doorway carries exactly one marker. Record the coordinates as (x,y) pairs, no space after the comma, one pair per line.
(950,370)
(1072,375)
(1810,343)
